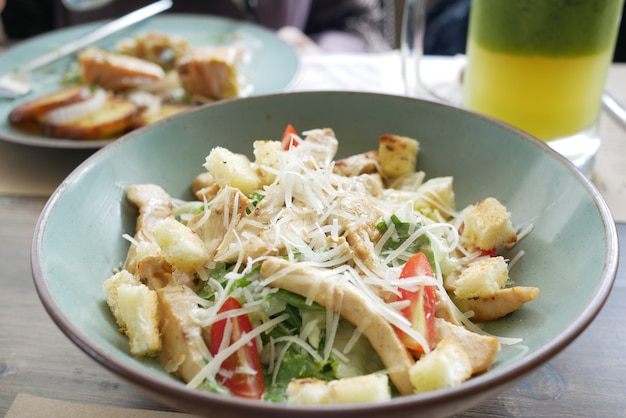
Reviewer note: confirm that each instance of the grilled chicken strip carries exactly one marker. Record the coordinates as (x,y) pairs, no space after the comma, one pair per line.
(210,72)
(154,204)
(116,72)
(342,299)
(184,352)
(500,304)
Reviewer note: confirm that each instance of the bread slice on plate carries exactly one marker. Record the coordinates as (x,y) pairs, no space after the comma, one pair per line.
(115,117)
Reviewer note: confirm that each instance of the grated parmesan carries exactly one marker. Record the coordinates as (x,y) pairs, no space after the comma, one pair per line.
(314,217)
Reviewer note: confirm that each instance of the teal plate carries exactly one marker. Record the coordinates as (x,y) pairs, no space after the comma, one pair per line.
(272,67)
(571,254)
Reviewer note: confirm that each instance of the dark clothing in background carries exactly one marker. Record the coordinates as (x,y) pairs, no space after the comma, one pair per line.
(447,24)
(620,46)
(25,18)
(365,20)
(446,27)
(371,21)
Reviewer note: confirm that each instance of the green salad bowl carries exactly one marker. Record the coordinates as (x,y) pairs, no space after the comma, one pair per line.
(78,239)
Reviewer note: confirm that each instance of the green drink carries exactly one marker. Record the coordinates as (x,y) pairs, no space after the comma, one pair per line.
(541,66)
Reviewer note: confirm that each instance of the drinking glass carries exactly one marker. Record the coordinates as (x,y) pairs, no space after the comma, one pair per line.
(539,65)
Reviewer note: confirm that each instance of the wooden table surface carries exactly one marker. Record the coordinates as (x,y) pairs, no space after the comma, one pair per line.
(588,379)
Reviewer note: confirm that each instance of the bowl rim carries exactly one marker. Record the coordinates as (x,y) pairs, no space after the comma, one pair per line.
(506,375)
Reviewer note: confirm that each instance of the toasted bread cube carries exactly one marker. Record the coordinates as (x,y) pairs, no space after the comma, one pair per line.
(482,278)
(138,306)
(110,287)
(397,155)
(359,389)
(487,225)
(145,249)
(448,365)
(480,349)
(267,154)
(180,246)
(232,169)
(367,388)
(309,391)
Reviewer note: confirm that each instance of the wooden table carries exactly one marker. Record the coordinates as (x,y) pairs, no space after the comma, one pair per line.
(54,378)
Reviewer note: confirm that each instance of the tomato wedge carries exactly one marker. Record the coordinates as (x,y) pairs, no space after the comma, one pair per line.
(289,138)
(421,311)
(245,378)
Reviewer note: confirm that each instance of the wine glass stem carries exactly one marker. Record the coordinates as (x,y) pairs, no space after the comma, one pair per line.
(412,46)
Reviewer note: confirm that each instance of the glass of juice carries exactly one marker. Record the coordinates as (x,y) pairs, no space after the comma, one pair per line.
(541,65)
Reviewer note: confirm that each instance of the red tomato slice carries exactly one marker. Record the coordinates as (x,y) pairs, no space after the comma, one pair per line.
(421,311)
(240,381)
(289,138)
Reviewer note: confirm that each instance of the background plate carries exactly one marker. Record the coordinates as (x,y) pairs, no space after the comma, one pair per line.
(272,67)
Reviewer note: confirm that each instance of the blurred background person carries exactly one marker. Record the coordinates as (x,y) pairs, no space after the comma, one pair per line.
(355,25)
(334,25)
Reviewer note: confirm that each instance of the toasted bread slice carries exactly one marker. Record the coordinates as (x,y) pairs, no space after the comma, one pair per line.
(33,109)
(116,117)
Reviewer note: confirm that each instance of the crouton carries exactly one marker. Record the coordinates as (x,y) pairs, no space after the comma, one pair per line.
(482,278)
(308,391)
(448,365)
(110,287)
(487,225)
(397,155)
(232,169)
(138,306)
(367,388)
(135,309)
(481,349)
(180,246)
(267,155)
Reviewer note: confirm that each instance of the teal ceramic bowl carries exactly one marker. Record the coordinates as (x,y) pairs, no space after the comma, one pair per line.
(571,254)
